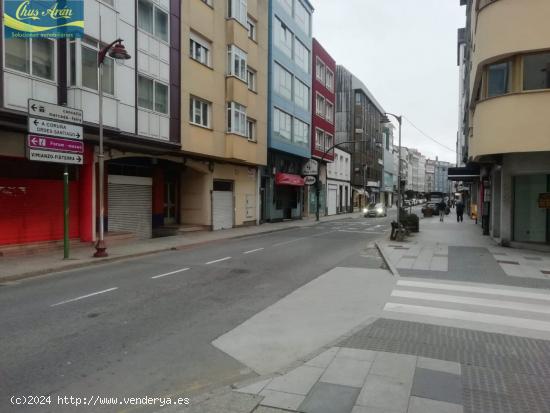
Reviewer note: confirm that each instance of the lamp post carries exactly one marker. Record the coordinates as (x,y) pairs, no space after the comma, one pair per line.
(117,51)
(399,199)
(318,183)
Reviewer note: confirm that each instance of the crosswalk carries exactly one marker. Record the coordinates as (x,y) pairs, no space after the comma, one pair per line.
(367,226)
(491,305)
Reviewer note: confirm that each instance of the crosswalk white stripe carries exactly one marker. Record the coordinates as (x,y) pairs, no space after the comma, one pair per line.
(473,289)
(484,302)
(468,316)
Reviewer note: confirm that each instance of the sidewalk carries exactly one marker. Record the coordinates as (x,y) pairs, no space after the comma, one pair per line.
(14,268)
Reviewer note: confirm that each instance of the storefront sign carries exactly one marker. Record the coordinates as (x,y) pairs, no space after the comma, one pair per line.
(311,167)
(54,112)
(310,180)
(53,128)
(55,157)
(54,144)
(52,19)
(288,179)
(544,200)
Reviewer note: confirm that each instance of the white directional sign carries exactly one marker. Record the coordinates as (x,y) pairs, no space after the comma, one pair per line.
(57,157)
(54,112)
(56,129)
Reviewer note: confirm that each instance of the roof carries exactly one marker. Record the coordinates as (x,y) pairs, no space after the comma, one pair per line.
(358,84)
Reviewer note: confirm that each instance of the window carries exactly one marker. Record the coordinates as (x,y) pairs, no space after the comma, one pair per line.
(301,132)
(251,25)
(498,79)
(301,56)
(329,81)
(237,10)
(109,2)
(283,82)
(251,130)
(319,140)
(287,6)
(35,57)
(329,111)
(236,62)
(199,49)
(320,71)
(301,94)
(320,106)
(90,71)
(153,20)
(536,71)
(199,112)
(236,118)
(251,79)
(283,38)
(282,124)
(301,16)
(209,2)
(152,95)
(329,141)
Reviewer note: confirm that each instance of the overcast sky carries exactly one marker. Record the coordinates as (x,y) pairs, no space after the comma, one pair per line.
(405,53)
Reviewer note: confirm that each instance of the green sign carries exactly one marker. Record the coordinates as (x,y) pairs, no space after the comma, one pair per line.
(61,19)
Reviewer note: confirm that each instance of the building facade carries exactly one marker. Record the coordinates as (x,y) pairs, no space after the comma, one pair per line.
(140,115)
(390,167)
(223,112)
(338,183)
(322,120)
(508,127)
(289,109)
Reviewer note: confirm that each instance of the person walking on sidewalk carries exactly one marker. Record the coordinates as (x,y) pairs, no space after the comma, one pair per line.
(441,207)
(459,211)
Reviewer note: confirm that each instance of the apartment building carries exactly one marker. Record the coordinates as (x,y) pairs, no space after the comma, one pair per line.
(322,122)
(140,114)
(338,183)
(289,109)
(223,111)
(509,83)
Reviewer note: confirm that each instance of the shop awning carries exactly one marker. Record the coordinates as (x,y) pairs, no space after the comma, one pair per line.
(465,174)
(288,179)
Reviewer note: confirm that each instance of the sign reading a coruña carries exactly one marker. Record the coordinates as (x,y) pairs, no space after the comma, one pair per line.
(52,19)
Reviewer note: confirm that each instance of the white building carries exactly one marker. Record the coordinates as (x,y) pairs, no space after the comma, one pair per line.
(338,183)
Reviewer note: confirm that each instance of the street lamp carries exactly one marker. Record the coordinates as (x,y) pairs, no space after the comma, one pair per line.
(117,51)
(385,119)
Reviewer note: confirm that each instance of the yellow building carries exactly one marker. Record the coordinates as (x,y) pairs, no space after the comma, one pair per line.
(223,110)
(508,64)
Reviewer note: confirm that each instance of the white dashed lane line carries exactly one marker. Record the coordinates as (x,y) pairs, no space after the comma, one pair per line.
(251,251)
(220,260)
(84,296)
(169,273)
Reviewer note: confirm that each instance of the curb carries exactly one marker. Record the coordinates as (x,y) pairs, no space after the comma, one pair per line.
(69,267)
(387,261)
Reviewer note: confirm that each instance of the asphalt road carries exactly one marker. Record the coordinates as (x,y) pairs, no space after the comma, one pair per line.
(143,327)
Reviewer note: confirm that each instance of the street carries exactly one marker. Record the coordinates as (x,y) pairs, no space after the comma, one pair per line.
(144,326)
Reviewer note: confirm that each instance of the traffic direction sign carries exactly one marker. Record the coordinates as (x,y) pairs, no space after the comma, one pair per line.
(53,128)
(56,157)
(54,112)
(55,144)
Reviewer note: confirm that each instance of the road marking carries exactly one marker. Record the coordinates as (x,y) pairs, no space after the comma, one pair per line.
(251,251)
(468,316)
(84,296)
(472,289)
(288,242)
(215,261)
(483,302)
(169,273)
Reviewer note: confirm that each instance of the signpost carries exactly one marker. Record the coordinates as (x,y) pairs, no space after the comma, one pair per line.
(55,135)
(310,180)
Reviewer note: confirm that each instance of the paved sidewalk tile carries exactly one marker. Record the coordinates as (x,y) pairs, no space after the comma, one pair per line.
(420,405)
(357,354)
(437,385)
(439,365)
(297,381)
(385,392)
(330,398)
(281,400)
(323,359)
(228,403)
(399,366)
(370,409)
(347,372)
(254,388)
(265,409)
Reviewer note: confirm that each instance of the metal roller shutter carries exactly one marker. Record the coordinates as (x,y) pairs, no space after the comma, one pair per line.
(222,210)
(130,205)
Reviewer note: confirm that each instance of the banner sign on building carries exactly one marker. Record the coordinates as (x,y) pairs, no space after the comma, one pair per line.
(52,19)
(311,167)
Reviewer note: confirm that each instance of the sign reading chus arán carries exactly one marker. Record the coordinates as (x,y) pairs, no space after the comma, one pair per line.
(53,19)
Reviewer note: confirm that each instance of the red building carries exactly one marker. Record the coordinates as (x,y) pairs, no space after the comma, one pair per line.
(322,117)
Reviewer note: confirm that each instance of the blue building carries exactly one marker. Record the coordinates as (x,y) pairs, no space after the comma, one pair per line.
(289,105)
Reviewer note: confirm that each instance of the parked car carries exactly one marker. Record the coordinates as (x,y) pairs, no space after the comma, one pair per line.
(375,210)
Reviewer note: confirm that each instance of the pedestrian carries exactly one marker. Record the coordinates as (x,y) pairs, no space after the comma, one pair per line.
(441,207)
(459,211)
